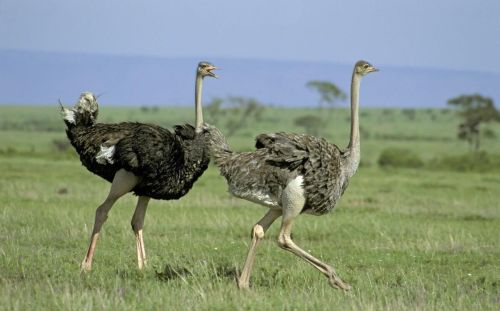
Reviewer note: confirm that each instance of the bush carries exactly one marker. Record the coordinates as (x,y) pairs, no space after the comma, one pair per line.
(470,162)
(311,124)
(61,145)
(397,157)
(409,113)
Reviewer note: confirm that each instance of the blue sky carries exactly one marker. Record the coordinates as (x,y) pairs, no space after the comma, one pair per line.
(451,34)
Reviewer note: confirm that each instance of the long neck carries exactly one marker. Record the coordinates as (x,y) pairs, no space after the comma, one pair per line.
(354,144)
(197,99)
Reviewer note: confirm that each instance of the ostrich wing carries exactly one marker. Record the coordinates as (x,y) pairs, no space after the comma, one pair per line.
(186,131)
(284,149)
(318,161)
(149,149)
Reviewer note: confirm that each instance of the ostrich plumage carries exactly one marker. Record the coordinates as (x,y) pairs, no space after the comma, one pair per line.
(146,159)
(168,162)
(261,176)
(292,174)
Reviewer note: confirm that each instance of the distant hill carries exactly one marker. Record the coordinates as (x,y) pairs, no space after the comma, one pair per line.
(43,78)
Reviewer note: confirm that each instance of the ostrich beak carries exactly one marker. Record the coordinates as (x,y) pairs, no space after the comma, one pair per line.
(374,69)
(210,73)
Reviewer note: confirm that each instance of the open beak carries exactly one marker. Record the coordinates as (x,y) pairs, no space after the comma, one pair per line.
(210,73)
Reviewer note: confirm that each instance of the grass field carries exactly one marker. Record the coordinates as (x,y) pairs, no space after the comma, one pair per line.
(405,239)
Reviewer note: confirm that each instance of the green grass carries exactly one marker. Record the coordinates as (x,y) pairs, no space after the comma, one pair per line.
(405,239)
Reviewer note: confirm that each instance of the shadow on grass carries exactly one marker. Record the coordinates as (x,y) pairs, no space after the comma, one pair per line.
(222,271)
(227,272)
(171,273)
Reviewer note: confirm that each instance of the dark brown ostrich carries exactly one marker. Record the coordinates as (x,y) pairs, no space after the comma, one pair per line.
(292,174)
(146,159)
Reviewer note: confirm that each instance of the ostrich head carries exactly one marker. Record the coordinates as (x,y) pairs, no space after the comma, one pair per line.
(205,69)
(363,68)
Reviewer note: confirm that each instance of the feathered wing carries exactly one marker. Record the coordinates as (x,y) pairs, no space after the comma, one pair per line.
(95,145)
(318,161)
(169,167)
(261,175)
(186,131)
(148,149)
(284,149)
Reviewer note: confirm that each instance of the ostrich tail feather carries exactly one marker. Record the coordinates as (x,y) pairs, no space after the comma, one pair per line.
(84,113)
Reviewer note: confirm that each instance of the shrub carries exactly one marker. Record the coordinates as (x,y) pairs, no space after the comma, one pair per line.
(397,157)
(409,113)
(61,145)
(469,162)
(311,124)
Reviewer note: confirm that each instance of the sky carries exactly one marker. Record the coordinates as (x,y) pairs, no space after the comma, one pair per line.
(448,34)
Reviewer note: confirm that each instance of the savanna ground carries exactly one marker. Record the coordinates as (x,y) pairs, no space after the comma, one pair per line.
(417,239)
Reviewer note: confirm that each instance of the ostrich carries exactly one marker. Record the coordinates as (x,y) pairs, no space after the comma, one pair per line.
(292,174)
(147,159)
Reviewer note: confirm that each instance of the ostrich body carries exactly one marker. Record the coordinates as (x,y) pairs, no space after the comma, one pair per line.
(167,163)
(146,159)
(292,174)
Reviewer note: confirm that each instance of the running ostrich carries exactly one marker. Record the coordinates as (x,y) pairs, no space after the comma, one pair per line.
(146,159)
(292,174)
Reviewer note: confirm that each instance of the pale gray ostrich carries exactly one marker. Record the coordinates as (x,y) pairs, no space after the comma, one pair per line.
(292,174)
(146,159)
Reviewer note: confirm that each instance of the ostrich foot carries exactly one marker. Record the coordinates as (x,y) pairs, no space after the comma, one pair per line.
(243,285)
(141,251)
(143,266)
(337,283)
(85,266)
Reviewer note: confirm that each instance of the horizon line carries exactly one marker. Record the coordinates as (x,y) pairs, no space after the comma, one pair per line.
(199,58)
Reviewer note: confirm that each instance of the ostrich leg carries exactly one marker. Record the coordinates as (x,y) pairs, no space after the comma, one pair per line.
(123,182)
(258,232)
(285,242)
(137,223)
(293,201)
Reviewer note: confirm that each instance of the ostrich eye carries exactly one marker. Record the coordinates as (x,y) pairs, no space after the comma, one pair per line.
(365,65)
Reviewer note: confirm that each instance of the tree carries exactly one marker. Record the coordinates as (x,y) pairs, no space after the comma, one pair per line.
(329,93)
(310,123)
(236,110)
(474,110)
(241,110)
(214,110)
